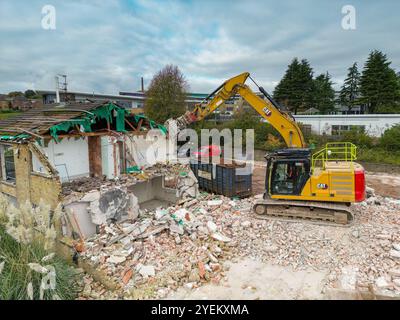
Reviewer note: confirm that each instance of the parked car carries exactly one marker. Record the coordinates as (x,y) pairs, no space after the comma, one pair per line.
(204,151)
(208,151)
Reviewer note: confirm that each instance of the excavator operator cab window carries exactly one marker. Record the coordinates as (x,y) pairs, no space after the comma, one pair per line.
(289,177)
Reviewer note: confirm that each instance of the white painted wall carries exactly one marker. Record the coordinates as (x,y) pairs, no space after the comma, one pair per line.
(375,124)
(70,157)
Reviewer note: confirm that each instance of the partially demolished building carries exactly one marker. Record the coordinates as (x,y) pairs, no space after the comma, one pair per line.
(43,148)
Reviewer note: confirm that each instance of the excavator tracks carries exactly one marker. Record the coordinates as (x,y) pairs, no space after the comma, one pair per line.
(322,212)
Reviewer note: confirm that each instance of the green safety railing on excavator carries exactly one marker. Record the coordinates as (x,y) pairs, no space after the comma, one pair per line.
(334,151)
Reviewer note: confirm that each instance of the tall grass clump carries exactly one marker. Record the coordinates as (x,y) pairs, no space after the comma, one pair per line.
(29,268)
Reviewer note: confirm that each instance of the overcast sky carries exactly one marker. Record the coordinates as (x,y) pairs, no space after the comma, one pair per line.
(106,46)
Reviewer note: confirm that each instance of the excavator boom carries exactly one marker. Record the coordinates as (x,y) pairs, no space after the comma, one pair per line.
(267,108)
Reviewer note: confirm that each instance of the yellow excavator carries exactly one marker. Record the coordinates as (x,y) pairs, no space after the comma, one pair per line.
(298,184)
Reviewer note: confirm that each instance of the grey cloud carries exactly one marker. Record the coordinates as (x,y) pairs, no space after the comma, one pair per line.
(105,46)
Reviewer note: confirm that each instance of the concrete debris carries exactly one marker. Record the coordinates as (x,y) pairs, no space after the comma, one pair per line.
(146,271)
(211,226)
(176,228)
(394,254)
(396,246)
(114,200)
(246,224)
(348,277)
(81,186)
(133,207)
(382,283)
(187,185)
(214,203)
(182,244)
(394,272)
(370,192)
(116,259)
(220,237)
(187,245)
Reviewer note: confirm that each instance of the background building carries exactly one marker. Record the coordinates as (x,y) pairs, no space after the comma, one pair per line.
(335,124)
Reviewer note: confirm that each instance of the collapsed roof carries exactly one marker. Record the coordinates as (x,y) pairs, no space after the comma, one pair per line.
(56,121)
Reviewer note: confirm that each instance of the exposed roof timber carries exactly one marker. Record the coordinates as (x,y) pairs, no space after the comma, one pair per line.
(52,121)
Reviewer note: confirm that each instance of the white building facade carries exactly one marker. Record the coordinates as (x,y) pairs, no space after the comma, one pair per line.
(335,124)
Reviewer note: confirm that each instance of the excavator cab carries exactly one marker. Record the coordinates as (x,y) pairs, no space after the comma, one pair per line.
(287,171)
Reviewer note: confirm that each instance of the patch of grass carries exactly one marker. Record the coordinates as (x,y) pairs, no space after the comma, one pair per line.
(16,273)
(8,114)
(378,155)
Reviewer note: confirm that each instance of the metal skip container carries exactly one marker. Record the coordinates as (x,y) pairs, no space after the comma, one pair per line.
(230,180)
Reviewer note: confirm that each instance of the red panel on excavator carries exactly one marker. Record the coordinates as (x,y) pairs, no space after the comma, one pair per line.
(359,185)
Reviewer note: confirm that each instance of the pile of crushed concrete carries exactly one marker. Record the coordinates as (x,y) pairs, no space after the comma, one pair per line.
(92,202)
(167,248)
(186,245)
(86,184)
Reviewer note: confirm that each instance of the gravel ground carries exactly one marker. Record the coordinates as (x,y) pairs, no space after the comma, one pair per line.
(362,256)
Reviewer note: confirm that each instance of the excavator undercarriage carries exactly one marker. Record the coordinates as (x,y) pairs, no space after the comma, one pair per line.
(327,212)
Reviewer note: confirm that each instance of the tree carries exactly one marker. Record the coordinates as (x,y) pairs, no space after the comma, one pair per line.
(14,94)
(390,139)
(296,87)
(29,94)
(350,90)
(324,94)
(379,84)
(166,95)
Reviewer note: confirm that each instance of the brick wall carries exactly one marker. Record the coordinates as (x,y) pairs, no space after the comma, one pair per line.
(29,185)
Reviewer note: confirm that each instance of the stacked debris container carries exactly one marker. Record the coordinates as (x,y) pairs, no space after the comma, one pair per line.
(224,179)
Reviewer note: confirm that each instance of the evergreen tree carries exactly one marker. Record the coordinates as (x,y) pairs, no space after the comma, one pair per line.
(324,94)
(350,90)
(296,87)
(379,84)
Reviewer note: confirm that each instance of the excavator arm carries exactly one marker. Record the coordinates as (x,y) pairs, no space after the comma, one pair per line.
(282,121)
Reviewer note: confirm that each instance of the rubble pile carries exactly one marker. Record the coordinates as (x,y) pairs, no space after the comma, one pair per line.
(187,245)
(359,256)
(107,201)
(87,184)
(161,250)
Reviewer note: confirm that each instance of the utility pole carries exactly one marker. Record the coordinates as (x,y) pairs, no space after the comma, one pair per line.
(61,86)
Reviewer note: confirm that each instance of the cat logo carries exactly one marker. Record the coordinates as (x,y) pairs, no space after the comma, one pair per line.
(267,111)
(322,186)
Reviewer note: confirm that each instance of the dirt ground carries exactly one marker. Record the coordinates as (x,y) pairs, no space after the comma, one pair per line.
(258,179)
(255,280)
(384,184)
